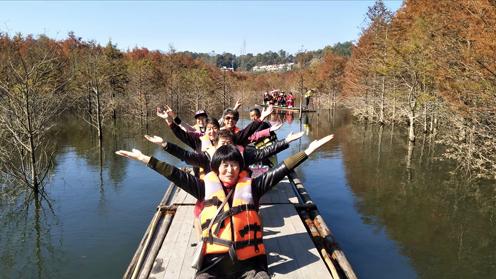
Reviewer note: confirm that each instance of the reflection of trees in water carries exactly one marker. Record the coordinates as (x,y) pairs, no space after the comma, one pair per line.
(26,238)
(444,223)
(124,135)
(26,220)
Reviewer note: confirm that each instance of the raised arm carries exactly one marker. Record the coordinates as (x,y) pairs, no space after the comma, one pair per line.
(257,155)
(193,158)
(242,137)
(265,133)
(237,105)
(190,139)
(263,183)
(182,179)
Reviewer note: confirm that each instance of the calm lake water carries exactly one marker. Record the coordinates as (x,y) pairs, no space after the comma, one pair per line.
(391,221)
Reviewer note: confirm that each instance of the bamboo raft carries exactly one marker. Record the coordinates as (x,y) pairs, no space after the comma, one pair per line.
(298,242)
(294,109)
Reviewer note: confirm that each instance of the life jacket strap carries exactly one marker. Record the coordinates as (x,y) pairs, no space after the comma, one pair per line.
(252,242)
(237,244)
(250,228)
(217,241)
(231,212)
(213,201)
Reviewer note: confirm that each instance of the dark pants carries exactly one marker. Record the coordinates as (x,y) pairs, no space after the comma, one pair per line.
(214,267)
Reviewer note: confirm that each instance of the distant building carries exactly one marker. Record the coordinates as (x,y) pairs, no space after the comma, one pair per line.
(225,69)
(274,68)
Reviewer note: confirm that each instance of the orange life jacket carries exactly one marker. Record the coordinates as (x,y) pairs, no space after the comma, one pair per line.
(236,230)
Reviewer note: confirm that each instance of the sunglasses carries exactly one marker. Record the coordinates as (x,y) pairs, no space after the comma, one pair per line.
(230,118)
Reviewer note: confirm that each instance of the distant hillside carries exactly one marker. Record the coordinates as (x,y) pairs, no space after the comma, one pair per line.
(248,61)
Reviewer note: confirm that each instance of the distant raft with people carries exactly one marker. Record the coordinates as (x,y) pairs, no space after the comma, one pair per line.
(285,108)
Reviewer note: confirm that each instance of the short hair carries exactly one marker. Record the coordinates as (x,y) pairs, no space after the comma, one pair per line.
(257,112)
(214,122)
(226,153)
(224,134)
(235,113)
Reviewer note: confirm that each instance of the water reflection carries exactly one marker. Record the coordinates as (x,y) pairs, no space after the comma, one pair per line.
(88,234)
(441,222)
(28,249)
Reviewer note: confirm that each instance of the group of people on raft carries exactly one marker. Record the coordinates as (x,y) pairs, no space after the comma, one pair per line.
(227,192)
(279,98)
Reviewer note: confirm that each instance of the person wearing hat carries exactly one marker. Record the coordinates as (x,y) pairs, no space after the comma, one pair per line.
(201,117)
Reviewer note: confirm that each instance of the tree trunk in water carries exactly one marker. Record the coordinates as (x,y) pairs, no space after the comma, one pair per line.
(393,117)
(409,160)
(425,119)
(431,123)
(333,99)
(98,114)
(411,126)
(381,109)
(114,114)
(32,155)
(379,144)
(37,228)
(89,101)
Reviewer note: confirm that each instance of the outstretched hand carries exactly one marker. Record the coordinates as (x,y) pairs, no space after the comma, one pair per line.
(314,145)
(292,137)
(135,154)
(266,112)
(275,127)
(156,140)
(237,105)
(166,113)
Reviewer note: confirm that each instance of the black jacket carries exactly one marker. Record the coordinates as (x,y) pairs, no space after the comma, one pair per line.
(251,155)
(196,187)
(193,140)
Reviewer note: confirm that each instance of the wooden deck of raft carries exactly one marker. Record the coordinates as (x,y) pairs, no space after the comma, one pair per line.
(291,252)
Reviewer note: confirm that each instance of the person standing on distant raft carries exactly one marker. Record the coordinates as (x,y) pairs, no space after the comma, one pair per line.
(233,242)
(307,96)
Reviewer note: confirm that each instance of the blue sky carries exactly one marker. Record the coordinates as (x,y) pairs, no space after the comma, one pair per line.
(199,26)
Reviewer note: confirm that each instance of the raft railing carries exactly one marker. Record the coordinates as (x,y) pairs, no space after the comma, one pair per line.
(322,236)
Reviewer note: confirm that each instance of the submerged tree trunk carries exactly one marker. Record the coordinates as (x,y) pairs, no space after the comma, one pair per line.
(411,126)
(31,148)
(425,119)
(412,103)
(98,123)
(381,106)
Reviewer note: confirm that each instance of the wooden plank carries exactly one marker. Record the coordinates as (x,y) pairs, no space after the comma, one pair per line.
(180,196)
(179,248)
(296,255)
(189,199)
(290,250)
(281,261)
(164,255)
(186,270)
(308,257)
(281,193)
